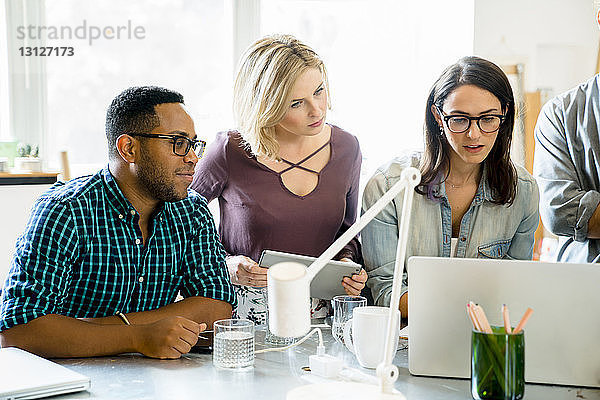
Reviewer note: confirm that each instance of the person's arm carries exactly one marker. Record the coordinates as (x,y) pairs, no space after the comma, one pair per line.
(566,208)
(206,274)
(201,310)
(521,245)
(352,250)
(210,178)
(245,271)
(57,336)
(594,224)
(380,241)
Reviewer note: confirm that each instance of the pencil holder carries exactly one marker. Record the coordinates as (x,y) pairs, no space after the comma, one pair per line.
(497,365)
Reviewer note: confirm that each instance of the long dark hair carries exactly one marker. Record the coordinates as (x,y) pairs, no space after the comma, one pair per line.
(501,173)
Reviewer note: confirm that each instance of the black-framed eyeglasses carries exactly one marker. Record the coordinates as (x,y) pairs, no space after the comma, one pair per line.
(181,144)
(488,123)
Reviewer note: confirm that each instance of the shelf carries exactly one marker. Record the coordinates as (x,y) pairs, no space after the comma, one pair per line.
(28,178)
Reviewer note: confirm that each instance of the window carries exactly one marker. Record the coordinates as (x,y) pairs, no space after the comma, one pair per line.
(382,57)
(183,45)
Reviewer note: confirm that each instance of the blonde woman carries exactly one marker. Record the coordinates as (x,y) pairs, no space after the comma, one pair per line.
(285,180)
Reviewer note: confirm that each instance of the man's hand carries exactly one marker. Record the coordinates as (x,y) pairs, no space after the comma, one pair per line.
(355,284)
(167,338)
(245,271)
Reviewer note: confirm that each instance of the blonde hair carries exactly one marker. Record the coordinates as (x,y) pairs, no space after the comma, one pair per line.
(266,75)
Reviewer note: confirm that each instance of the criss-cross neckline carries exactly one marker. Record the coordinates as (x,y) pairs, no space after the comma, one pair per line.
(305,159)
(298,165)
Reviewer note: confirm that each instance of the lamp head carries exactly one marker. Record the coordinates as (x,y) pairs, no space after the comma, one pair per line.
(288,287)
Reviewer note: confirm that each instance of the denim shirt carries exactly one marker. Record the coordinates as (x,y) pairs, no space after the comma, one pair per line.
(487,230)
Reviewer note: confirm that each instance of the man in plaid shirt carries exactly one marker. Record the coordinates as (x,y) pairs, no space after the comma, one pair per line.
(102,258)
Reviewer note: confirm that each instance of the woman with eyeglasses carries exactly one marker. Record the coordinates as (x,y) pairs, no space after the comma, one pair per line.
(472,201)
(286,180)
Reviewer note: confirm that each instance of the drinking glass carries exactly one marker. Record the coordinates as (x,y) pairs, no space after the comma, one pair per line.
(233,344)
(342,312)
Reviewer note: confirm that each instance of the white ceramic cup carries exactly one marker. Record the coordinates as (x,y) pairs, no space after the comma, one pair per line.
(369,329)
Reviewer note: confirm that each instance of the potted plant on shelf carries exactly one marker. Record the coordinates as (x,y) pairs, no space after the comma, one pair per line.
(28,159)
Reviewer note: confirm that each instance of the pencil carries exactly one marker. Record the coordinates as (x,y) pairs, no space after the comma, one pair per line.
(475,317)
(472,317)
(523,321)
(471,310)
(483,321)
(506,318)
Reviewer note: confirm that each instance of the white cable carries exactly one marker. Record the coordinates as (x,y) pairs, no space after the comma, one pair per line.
(321,345)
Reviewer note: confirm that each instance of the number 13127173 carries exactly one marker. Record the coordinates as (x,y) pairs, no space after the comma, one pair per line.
(46,51)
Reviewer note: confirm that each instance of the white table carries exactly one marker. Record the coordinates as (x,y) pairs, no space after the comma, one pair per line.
(133,376)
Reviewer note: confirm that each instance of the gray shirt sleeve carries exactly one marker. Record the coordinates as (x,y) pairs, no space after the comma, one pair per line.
(561,162)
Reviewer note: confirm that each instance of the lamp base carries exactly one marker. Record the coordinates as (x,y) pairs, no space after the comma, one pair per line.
(341,391)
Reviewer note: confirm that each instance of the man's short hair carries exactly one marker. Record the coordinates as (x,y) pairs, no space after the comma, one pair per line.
(133,111)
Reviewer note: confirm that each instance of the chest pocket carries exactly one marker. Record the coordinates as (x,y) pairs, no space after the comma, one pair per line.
(497,249)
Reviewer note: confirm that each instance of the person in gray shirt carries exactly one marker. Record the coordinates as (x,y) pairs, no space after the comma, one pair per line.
(567,169)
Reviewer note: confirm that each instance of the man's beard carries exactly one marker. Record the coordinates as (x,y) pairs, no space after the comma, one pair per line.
(155,182)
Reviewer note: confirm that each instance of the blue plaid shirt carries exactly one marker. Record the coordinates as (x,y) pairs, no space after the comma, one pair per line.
(82,255)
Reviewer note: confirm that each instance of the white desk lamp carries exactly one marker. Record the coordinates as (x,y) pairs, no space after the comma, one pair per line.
(289,305)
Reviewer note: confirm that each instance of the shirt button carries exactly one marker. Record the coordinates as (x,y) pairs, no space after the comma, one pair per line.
(138,241)
(132,212)
(120,216)
(141,279)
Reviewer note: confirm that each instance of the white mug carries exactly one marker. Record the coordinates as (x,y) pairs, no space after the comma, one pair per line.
(369,330)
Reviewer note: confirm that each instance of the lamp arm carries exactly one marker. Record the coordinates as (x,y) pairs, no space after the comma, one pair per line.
(358,226)
(386,371)
(410,178)
(399,265)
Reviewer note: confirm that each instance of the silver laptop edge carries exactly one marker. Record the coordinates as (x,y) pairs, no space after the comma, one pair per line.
(27,376)
(561,338)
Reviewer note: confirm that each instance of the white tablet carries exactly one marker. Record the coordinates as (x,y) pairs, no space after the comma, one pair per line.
(327,283)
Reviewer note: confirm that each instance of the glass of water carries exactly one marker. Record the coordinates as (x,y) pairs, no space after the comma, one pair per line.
(233,344)
(342,312)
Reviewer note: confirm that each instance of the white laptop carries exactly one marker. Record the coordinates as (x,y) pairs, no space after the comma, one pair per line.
(562,337)
(26,376)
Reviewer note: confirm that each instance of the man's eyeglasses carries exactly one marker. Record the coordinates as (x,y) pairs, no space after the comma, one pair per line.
(488,123)
(181,144)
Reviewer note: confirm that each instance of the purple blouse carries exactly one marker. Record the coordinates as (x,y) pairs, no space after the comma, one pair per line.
(257,211)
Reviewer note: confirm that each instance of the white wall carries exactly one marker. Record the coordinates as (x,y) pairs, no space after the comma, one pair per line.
(557,40)
(15,206)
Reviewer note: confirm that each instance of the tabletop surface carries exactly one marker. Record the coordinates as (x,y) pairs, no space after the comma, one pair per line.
(133,376)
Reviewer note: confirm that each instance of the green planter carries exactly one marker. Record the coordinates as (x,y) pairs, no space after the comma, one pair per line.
(497,365)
